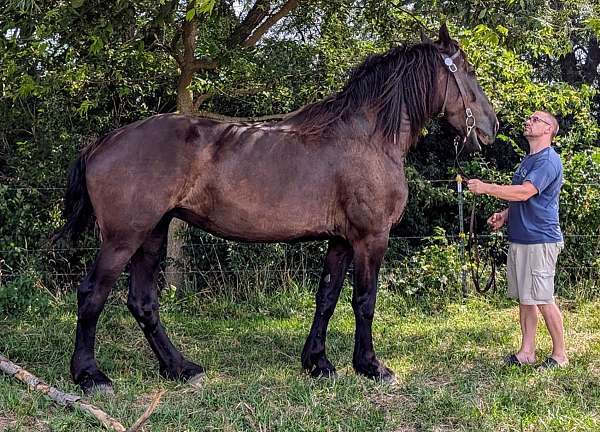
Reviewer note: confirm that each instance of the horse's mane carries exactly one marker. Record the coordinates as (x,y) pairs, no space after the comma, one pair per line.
(402,78)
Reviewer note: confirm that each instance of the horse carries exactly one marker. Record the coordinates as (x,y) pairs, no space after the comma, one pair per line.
(332,170)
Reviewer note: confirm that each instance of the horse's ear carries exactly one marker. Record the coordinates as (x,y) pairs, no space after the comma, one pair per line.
(424,37)
(444,36)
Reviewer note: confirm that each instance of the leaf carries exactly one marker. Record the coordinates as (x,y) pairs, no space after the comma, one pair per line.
(206,6)
(593,24)
(502,30)
(97,44)
(190,14)
(77,3)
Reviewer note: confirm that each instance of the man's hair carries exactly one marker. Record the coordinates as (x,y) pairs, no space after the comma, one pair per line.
(553,121)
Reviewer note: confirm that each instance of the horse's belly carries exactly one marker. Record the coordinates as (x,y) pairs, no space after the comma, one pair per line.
(268,222)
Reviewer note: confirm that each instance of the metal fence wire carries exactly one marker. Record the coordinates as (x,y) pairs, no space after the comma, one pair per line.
(213,262)
(220,265)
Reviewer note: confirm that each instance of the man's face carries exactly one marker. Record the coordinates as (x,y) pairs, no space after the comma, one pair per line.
(537,125)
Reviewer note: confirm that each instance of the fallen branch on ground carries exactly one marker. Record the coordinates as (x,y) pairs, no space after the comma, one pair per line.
(70,400)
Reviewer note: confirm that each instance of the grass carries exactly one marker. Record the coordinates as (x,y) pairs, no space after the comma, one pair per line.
(448,363)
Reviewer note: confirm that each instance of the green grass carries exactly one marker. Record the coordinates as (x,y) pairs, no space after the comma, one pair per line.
(448,363)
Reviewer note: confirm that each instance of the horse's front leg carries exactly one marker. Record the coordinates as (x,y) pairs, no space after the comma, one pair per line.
(368,255)
(337,259)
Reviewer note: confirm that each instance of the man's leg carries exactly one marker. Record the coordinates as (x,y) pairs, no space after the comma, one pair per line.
(554,323)
(528,320)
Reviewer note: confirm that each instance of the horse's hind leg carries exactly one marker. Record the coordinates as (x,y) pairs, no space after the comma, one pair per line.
(339,256)
(143,304)
(91,297)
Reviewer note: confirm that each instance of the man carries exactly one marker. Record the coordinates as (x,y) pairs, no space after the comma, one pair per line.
(534,236)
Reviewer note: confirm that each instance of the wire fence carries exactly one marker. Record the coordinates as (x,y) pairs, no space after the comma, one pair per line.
(214,257)
(229,262)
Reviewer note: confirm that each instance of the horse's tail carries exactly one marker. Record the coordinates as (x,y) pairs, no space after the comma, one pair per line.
(77,210)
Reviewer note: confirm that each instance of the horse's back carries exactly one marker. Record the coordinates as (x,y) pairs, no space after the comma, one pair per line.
(140,171)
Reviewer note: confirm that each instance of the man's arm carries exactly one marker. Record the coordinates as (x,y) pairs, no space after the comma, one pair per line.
(505,192)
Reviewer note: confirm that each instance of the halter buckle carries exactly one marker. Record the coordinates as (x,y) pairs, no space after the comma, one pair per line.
(448,62)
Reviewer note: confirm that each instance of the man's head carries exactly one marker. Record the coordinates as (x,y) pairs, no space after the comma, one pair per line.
(541,125)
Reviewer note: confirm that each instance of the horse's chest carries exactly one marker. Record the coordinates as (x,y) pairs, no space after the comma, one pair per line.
(375,202)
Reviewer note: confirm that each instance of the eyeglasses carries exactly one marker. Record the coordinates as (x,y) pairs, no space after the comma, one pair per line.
(536,119)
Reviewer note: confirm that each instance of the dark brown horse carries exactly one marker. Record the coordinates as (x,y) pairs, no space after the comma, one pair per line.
(333,170)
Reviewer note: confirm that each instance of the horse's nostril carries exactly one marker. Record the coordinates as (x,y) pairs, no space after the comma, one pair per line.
(496,126)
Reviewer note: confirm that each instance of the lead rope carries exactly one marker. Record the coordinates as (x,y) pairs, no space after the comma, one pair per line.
(473,250)
(472,242)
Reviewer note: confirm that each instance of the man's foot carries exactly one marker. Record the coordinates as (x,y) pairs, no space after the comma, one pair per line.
(514,359)
(552,363)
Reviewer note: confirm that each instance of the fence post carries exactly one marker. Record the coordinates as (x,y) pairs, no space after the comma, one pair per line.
(461,235)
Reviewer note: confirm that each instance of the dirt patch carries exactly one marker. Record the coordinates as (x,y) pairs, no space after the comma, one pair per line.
(29,424)
(6,422)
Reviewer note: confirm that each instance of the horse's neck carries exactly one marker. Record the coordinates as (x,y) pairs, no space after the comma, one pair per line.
(396,146)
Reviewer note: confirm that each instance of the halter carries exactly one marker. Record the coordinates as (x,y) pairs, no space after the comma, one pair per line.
(472,244)
(469,118)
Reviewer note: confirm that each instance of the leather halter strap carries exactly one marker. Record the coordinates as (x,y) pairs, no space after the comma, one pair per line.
(452,70)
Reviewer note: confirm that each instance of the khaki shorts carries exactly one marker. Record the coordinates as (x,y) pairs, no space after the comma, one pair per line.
(530,272)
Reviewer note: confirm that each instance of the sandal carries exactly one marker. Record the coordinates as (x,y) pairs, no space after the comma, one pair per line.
(550,363)
(512,360)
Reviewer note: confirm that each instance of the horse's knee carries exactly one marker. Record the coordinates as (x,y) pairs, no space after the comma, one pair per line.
(145,312)
(364,307)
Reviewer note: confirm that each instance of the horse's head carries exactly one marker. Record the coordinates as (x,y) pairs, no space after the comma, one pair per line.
(461,99)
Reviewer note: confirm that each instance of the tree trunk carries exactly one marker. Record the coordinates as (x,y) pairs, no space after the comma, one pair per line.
(176,259)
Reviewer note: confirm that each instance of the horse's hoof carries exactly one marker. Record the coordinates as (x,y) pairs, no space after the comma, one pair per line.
(102,390)
(320,368)
(377,372)
(388,377)
(96,383)
(196,380)
(188,371)
(323,372)
(191,371)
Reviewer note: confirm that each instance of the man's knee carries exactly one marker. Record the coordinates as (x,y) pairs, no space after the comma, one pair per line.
(546,307)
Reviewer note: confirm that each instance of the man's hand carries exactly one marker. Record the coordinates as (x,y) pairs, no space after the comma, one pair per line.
(497,220)
(477,186)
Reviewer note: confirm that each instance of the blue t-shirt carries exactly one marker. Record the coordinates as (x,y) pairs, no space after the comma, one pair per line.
(536,220)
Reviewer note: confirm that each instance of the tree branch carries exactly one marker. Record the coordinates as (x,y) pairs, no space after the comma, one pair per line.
(164,13)
(190,32)
(173,47)
(66,399)
(70,400)
(287,7)
(255,16)
(202,98)
(224,118)
(235,93)
(140,422)
(204,64)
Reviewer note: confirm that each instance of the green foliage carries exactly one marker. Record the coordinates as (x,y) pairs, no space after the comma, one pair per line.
(23,294)
(247,271)
(432,272)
